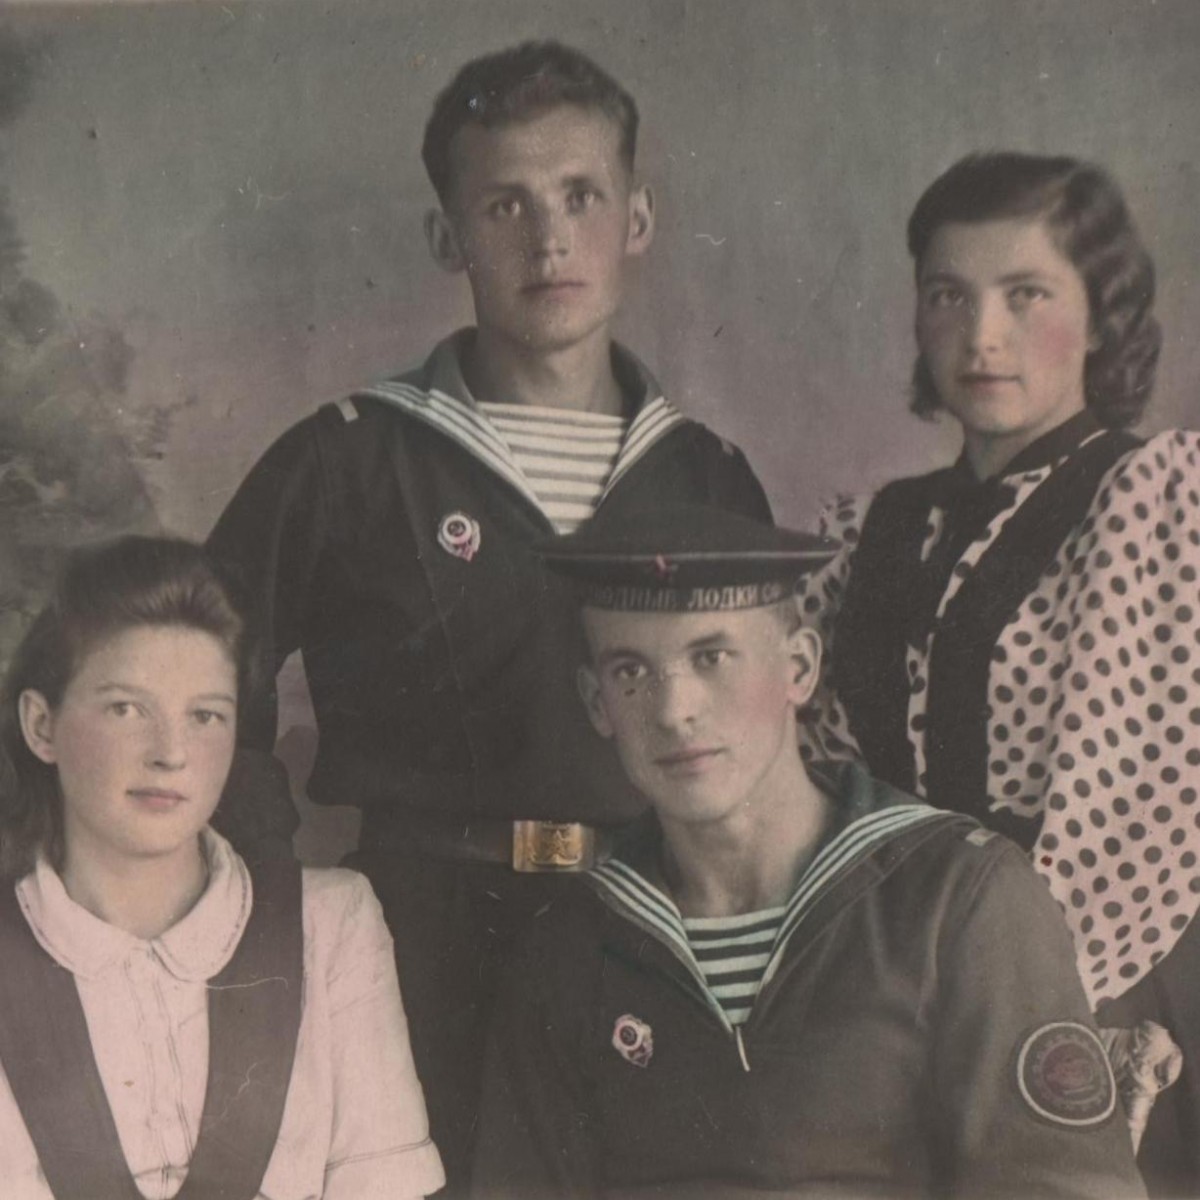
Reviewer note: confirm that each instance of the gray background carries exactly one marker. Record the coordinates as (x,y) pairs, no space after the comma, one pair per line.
(219,207)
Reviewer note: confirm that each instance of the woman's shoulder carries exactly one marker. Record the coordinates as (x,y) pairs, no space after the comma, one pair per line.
(335,900)
(336,888)
(1156,481)
(1170,453)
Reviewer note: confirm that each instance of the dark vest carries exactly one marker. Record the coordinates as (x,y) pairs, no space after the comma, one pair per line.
(892,598)
(254,1008)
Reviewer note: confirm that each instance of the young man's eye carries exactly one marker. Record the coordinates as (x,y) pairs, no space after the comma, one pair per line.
(210,716)
(509,206)
(945,297)
(628,672)
(122,708)
(582,198)
(712,658)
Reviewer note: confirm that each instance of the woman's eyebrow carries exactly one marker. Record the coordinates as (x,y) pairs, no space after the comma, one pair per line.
(1025,275)
(115,685)
(133,690)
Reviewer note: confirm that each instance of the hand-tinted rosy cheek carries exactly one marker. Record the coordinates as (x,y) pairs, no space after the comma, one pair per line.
(215,755)
(1059,340)
(761,700)
(91,740)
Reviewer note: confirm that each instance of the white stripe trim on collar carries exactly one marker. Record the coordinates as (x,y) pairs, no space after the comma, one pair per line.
(460,422)
(471,430)
(652,423)
(655,908)
(853,844)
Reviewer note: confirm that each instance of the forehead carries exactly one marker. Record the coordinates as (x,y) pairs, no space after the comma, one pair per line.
(156,658)
(563,141)
(656,636)
(987,250)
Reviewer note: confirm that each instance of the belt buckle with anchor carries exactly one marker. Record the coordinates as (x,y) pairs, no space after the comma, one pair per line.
(553,846)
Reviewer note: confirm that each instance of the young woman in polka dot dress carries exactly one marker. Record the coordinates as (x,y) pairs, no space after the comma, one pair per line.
(1018,636)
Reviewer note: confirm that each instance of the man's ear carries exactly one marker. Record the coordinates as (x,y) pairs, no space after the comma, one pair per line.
(589,691)
(804,650)
(641,221)
(443,241)
(37,724)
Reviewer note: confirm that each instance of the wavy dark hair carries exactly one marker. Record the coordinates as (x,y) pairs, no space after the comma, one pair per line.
(102,591)
(1090,224)
(513,84)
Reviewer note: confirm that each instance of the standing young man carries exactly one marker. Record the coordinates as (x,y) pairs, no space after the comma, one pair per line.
(783,983)
(387,537)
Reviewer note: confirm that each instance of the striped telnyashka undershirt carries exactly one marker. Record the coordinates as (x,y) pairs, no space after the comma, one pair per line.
(565,456)
(732,954)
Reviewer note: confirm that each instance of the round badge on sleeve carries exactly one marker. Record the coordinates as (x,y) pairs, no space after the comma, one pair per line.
(459,534)
(1064,1075)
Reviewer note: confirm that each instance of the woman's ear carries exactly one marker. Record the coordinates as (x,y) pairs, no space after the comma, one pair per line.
(589,691)
(37,724)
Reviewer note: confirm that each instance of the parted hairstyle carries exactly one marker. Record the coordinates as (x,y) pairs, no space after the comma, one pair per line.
(515,84)
(103,591)
(1089,223)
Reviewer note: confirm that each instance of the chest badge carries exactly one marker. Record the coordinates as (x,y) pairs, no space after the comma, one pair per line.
(633,1040)
(459,534)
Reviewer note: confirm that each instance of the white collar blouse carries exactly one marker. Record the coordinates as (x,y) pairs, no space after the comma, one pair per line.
(354,1124)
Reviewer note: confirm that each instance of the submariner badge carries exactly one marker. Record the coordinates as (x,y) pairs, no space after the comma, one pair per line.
(633,1040)
(1064,1075)
(459,534)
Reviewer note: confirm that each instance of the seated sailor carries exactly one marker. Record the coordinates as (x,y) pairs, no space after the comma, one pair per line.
(785,981)
(174,1023)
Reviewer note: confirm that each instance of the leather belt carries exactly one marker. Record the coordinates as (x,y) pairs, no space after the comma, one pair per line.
(548,847)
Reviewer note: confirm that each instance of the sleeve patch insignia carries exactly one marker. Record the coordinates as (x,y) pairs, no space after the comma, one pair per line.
(1064,1075)
(633,1040)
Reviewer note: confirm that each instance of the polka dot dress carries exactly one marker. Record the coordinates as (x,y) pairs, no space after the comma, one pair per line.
(1094,703)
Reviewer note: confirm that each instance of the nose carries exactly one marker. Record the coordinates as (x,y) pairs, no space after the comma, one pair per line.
(677,699)
(167,745)
(989,323)
(549,230)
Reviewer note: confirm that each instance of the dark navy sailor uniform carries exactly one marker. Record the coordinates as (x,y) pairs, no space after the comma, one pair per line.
(387,537)
(1027,649)
(920,1031)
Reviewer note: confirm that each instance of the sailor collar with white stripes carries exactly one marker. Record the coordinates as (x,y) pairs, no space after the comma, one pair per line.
(444,373)
(861,826)
(447,405)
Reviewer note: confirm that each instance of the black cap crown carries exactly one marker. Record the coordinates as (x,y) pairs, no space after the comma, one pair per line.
(683,558)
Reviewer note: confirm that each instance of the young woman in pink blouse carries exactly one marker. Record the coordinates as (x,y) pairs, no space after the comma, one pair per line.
(174,1021)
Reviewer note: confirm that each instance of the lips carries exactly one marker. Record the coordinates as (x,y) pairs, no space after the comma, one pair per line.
(686,761)
(985,378)
(552,287)
(157,799)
